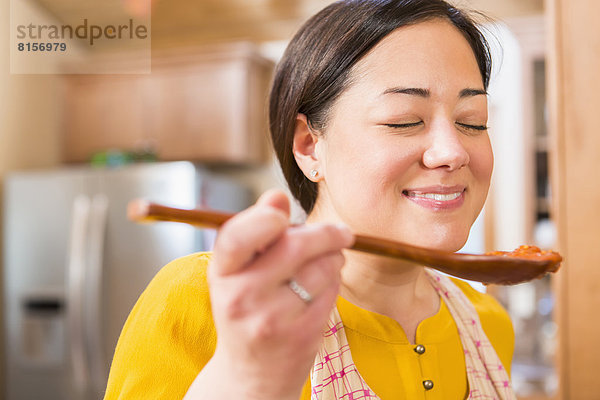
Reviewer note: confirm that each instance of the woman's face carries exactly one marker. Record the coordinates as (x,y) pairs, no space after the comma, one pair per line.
(405,154)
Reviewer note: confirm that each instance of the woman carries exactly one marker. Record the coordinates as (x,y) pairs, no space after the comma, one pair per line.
(378,116)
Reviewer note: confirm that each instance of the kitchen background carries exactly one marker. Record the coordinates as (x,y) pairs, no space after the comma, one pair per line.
(205,102)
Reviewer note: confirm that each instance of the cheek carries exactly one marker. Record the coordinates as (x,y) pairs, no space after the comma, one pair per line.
(482,162)
(378,164)
(361,175)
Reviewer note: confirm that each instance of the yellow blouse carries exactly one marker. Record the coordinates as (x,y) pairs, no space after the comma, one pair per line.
(169,337)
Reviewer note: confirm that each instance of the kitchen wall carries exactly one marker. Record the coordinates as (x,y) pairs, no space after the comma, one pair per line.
(29,110)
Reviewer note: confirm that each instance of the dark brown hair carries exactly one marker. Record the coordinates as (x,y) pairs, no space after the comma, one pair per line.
(316,66)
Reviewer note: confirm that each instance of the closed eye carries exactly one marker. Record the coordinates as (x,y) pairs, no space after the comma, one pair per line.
(407,125)
(473,127)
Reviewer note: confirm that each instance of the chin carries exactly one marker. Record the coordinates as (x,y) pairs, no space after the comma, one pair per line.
(446,241)
(445,245)
(454,247)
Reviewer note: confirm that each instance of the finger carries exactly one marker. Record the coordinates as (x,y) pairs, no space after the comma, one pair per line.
(276,199)
(250,232)
(298,246)
(314,318)
(316,276)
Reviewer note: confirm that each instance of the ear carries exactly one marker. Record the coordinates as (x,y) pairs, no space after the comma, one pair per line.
(304,149)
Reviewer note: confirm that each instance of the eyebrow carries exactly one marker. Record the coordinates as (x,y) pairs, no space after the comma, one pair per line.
(426,93)
(471,92)
(412,91)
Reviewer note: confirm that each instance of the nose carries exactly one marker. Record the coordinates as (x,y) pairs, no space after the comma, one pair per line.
(445,149)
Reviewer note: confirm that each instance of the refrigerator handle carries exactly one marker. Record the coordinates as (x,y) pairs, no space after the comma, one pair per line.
(76,286)
(93,314)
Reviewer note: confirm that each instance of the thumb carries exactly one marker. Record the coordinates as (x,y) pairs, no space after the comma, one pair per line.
(275,198)
(240,238)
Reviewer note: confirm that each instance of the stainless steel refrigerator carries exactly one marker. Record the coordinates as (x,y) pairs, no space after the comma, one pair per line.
(74,266)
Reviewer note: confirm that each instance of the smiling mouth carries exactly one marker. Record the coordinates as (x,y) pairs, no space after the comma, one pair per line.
(438,198)
(434,196)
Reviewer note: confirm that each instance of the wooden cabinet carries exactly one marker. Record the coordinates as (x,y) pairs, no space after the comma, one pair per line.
(101,113)
(574,94)
(205,105)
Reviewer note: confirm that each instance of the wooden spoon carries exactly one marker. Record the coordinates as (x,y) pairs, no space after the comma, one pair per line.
(503,268)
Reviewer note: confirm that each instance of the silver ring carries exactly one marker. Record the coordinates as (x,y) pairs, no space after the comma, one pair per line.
(300,291)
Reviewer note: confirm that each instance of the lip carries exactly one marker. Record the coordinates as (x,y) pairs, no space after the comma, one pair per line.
(437,205)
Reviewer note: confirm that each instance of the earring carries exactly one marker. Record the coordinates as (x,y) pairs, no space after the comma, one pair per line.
(313,173)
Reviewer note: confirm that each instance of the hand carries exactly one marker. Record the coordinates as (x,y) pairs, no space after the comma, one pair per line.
(267,336)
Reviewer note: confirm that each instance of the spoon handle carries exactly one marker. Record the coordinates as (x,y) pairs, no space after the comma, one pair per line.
(143,211)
